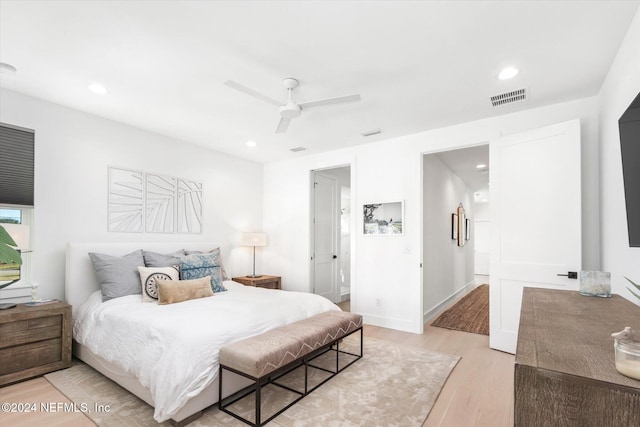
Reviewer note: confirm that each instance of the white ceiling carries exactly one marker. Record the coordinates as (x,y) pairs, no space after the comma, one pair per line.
(464,163)
(417,65)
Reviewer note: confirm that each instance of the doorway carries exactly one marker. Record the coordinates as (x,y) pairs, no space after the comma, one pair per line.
(331,234)
(452,266)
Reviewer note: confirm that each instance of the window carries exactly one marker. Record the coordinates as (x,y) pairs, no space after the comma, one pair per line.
(20,215)
(10,216)
(16,165)
(16,196)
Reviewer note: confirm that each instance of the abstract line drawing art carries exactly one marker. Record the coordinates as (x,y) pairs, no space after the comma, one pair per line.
(126,200)
(189,206)
(160,204)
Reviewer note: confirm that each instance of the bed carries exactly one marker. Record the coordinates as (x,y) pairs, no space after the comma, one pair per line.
(167,355)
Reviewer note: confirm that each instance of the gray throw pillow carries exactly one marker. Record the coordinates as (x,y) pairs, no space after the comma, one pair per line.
(154,259)
(216,252)
(118,276)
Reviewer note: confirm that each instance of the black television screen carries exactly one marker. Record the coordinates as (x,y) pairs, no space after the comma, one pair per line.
(629,125)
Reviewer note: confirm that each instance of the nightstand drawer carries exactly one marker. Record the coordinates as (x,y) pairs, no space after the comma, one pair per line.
(30,330)
(35,340)
(29,356)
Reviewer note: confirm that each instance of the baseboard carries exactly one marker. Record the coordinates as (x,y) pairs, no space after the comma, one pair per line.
(345,297)
(427,316)
(392,323)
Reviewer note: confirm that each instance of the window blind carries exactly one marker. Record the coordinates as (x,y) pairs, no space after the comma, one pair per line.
(16,165)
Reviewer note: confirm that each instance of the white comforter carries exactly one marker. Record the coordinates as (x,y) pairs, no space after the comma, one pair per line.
(173,349)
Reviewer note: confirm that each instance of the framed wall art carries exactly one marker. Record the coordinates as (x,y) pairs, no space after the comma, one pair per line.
(383,218)
(454,226)
(153,203)
(126,200)
(462,222)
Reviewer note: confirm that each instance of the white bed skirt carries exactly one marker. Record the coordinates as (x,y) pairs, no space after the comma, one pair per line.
(206,398)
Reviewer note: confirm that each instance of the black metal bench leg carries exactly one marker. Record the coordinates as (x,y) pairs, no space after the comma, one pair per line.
(258,400)
(220,389)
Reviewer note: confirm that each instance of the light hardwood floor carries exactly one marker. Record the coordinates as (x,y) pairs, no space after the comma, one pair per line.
(46,398)
(479,391)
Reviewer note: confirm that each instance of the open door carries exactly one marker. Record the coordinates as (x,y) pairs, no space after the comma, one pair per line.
(325,224)
(535,220)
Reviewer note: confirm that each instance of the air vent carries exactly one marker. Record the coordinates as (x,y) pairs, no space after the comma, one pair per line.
(296,149)
(371,132)
(509,97)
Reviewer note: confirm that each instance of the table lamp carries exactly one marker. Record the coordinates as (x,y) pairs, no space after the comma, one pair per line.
(254,239)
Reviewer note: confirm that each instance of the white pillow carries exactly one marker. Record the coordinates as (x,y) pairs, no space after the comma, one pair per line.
(149,277)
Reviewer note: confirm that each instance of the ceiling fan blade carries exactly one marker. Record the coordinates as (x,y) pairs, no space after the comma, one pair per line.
(251,92)
(283,125)
(338,100)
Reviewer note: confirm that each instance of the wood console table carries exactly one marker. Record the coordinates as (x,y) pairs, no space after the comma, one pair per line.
(565,372)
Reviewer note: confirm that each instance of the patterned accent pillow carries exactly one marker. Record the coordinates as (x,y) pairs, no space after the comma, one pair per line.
(173,291)
(216,252)
(196,266)
(149,277)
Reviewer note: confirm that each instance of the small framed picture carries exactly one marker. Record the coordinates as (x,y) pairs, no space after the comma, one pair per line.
(467,229)
(383,218)
(454,226)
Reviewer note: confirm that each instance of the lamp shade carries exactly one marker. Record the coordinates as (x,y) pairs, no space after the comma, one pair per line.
(254,239)
(20,234)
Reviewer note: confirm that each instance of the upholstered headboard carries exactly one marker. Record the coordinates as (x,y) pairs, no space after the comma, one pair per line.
(80,279)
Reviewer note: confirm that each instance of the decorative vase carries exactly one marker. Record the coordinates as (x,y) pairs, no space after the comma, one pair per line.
(628,358)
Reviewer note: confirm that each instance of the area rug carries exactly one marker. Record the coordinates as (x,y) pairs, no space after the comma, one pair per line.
(389,386)
(470,314)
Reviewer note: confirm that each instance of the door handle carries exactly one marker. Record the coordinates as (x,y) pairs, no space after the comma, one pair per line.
(335,256)
(570,274)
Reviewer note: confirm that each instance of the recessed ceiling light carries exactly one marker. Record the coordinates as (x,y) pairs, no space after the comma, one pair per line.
(480,166)
(250,144)
(7,68)
(508,73)
(98,88)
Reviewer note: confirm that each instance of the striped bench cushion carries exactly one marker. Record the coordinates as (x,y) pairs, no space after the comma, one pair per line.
(259,355)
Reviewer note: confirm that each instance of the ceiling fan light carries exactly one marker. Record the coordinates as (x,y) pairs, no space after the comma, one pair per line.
(290,111)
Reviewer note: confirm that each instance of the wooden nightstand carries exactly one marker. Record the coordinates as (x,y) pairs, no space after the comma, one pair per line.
(35,341)
(264,281)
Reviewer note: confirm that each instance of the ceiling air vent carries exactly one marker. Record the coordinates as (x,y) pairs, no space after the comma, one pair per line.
(296,149)
(509,97)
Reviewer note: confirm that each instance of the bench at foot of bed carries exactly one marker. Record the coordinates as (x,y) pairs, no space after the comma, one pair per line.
(269,356)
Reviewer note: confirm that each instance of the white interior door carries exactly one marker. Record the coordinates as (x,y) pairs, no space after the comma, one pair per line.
(535,220)
(325,224)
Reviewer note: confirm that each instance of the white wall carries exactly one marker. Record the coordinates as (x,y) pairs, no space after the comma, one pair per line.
(72,152)
(621,86)
(447,267)
(387,268)
(481,237)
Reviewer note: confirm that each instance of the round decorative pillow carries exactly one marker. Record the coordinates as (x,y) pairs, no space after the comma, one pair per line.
(149,277)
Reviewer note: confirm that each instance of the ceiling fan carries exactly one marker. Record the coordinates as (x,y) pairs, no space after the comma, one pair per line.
(290,109)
